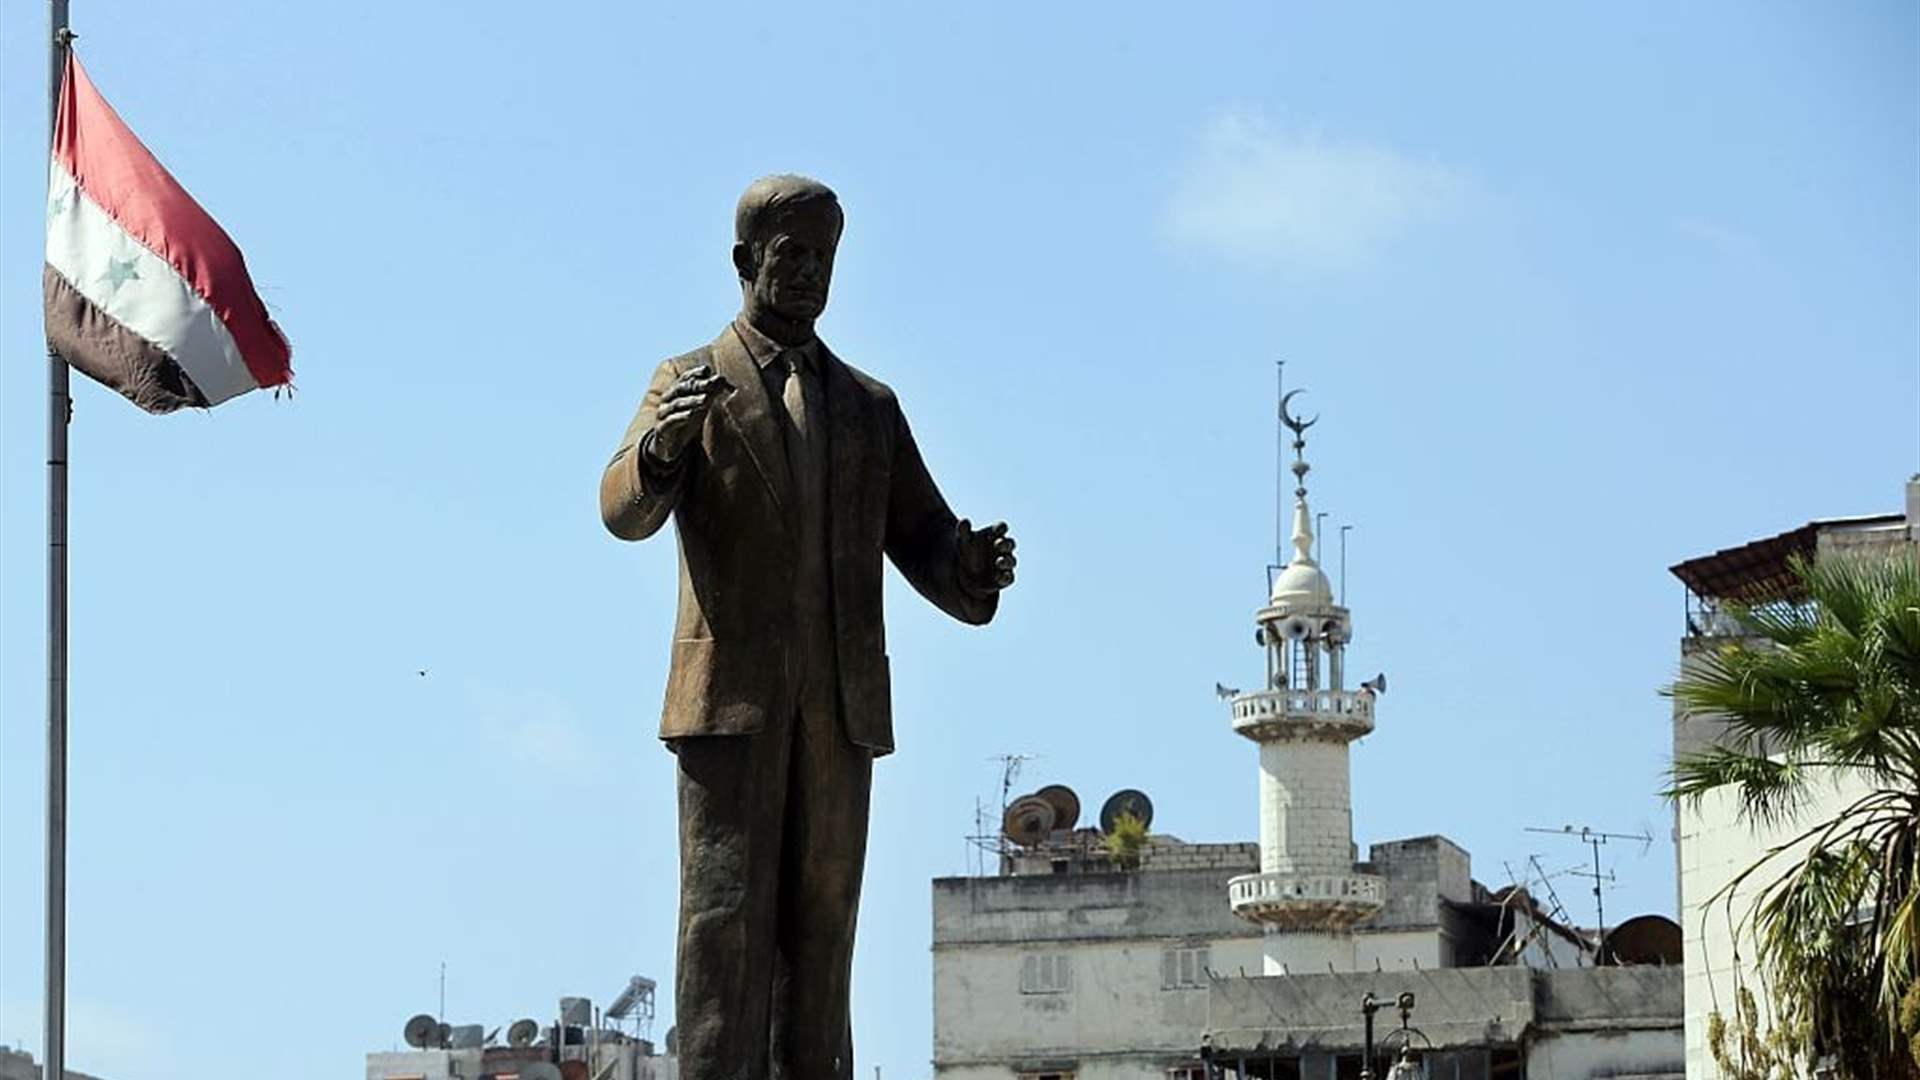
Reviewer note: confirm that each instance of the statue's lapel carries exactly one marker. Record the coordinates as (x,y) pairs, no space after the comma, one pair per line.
(752,415)
(848,442)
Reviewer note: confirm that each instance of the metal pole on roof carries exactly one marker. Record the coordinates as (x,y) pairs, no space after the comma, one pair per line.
(1279,468)
(1344,529)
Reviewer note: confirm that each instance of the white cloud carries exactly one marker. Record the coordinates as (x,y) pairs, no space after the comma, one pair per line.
(1302,201)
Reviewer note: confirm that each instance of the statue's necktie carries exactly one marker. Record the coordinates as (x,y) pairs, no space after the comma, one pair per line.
(802,406)
(807,460)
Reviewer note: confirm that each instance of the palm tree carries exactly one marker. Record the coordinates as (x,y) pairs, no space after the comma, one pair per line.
(1824,687)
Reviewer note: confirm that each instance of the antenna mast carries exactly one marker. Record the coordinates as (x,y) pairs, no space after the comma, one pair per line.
(984,838)
(1594,838)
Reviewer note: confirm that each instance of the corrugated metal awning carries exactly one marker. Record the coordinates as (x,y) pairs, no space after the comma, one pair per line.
(1758,572)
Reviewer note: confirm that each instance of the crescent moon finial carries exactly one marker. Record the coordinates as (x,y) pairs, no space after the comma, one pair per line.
(1297,426)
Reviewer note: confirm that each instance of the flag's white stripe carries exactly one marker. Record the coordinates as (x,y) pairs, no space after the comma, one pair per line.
(139,289)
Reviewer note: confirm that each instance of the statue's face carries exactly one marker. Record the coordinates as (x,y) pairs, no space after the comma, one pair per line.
(796,262)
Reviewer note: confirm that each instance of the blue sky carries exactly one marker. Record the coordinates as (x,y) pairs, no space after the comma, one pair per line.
(1580,292)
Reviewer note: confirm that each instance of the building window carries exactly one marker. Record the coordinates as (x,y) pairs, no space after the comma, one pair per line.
(1192,1070)
(1044,1076)
(1184,968)
(1046,973)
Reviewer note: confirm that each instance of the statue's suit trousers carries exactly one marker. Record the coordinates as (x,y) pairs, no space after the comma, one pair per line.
(784,811)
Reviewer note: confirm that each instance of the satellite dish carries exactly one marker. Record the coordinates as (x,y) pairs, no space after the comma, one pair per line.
(1028,820)
(1643,939)
(673,1040)
(1066,805)
(1130,802)
(422,1032)
(540,1070)
(522,1033)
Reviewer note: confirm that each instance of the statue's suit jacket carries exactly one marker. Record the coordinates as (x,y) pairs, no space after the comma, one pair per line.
(737,641)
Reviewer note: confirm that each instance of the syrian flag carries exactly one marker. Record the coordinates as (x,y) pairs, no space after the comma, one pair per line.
(144,291)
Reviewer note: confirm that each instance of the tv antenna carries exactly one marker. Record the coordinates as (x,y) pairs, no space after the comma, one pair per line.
(1595,839)
(987,836)
(1555,912)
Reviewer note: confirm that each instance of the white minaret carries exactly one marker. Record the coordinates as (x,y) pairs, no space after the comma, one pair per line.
(1306,895)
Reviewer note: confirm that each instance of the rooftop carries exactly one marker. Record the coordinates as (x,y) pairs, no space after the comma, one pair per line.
(1757,572)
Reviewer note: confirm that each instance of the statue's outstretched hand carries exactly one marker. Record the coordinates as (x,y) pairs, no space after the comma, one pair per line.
(986,557)
(683,408)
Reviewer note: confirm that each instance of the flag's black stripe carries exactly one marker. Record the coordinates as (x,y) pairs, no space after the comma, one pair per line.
(99,347)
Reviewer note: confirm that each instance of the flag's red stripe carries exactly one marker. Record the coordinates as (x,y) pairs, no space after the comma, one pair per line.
(118,174)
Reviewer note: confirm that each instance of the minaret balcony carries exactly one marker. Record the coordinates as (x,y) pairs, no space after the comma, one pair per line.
(1306,901)
(1320,715)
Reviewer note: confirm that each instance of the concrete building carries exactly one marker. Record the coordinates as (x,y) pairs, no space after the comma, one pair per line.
(609,1060)
(1711,842)
(1078,961)
(1472,1022)
(579,1043)
(19,1065)
(1107,973)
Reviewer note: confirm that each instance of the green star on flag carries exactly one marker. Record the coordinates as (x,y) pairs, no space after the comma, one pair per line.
(119,272)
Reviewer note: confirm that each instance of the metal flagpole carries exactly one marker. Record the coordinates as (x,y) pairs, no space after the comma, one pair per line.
(54,1048)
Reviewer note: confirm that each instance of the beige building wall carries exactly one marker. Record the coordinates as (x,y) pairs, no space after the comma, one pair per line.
(1113,1013)
(1712,845)
(1714,848)
(1401,950)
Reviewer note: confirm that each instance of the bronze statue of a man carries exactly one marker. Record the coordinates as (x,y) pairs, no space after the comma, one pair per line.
(787,473)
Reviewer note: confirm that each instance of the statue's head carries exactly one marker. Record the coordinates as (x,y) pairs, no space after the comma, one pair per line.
(785,231)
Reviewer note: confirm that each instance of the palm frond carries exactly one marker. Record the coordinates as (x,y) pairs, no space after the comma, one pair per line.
(1770,791)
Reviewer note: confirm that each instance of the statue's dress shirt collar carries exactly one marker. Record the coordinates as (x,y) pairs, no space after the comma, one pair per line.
(766,351)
